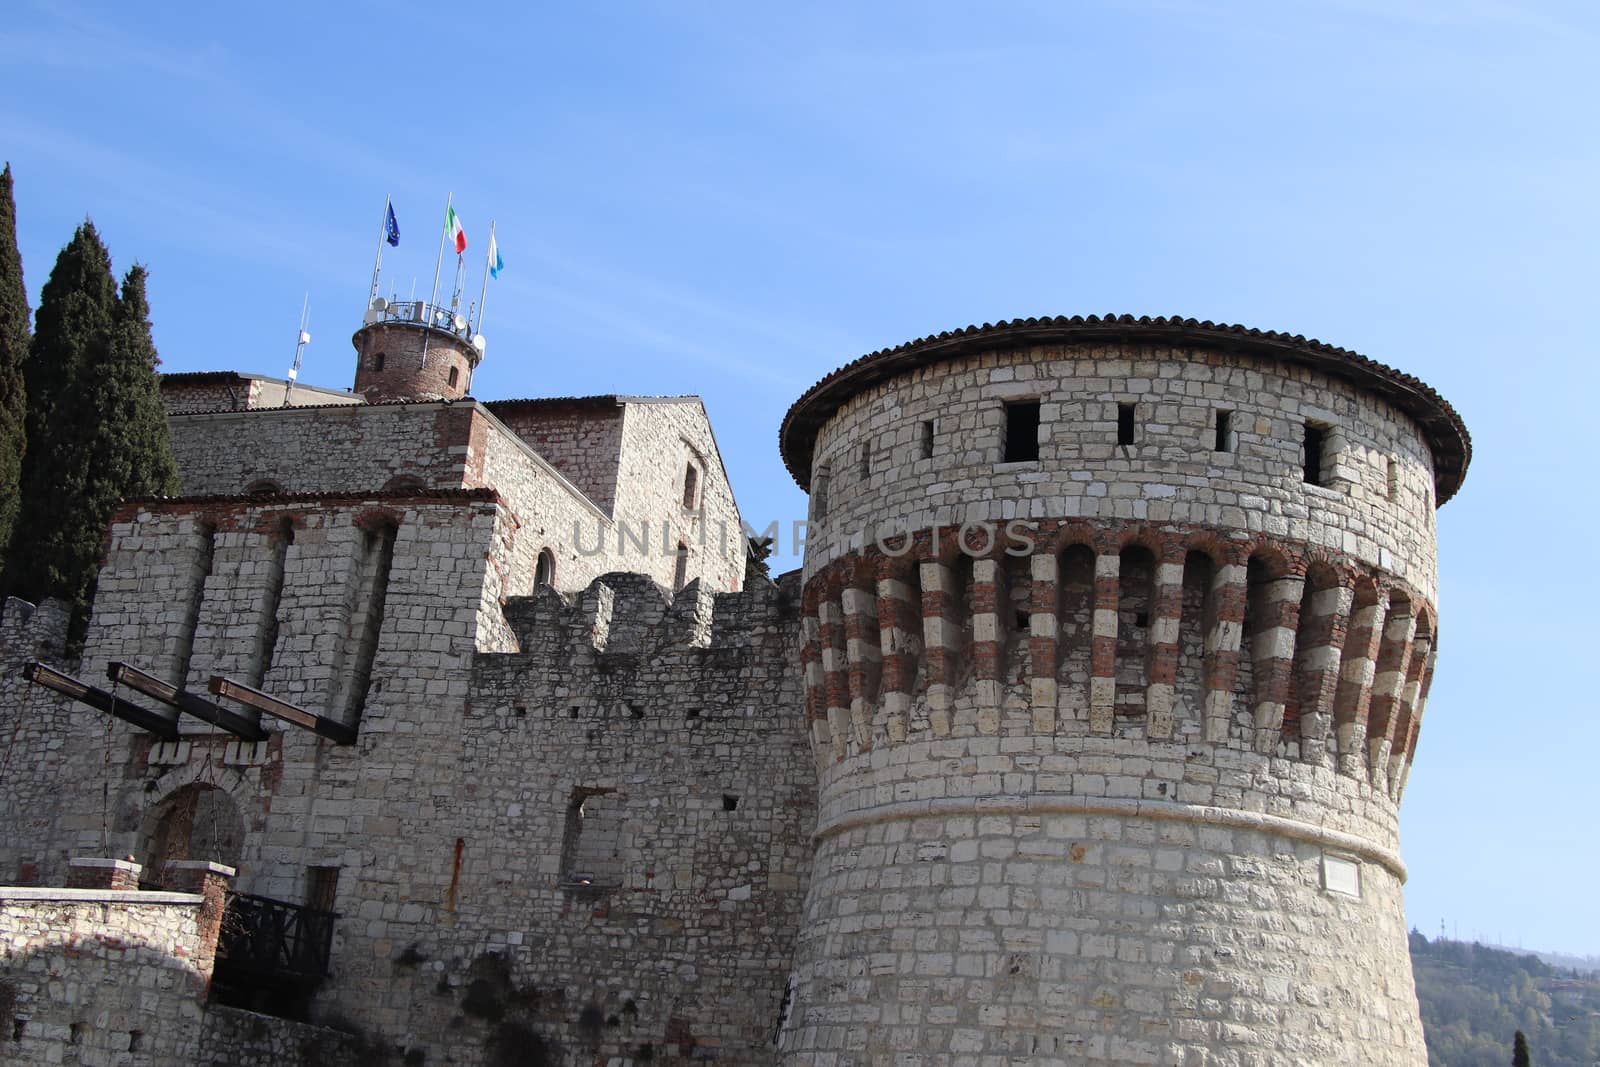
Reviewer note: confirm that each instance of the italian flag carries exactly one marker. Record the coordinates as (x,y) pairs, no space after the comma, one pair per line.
(452,226)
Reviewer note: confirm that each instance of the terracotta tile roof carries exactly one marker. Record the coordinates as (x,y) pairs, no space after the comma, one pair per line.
(1443,429)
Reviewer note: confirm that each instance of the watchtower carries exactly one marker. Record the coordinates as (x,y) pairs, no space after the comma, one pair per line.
(1118,634)
(414,350)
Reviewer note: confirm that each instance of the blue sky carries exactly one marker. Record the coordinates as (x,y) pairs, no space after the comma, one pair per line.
(731,200)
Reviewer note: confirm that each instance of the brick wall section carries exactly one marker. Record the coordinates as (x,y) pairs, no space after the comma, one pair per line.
(581,438)
(407,372)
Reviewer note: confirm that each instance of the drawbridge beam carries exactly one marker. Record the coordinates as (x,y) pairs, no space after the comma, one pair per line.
(163,724)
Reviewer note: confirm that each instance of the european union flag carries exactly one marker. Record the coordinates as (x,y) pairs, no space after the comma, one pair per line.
(391,229)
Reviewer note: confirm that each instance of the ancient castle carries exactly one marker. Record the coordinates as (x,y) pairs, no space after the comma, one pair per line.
(428,730)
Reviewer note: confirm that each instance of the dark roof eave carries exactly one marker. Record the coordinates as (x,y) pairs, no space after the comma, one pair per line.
(1443,429)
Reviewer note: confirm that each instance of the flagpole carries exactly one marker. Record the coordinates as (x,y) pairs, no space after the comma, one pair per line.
(449,202)
(383,232)
(488,261)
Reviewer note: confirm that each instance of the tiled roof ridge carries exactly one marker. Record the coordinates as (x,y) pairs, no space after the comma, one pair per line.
(1444,429)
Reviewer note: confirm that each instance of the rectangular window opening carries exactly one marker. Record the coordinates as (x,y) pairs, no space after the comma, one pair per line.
(1125,424)
(592,841)
(1022,431)
(730,802)
(1224,440)
(866,460)
(322,887)
(1312,452)
(1393,487)
(927,439)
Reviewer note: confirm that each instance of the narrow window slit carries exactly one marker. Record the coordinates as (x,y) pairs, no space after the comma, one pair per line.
(1224,438)
(1312,452)
(691,487)
(927,439)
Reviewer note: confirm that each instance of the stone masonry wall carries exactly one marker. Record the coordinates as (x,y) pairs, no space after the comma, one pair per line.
(661,438)
(200,391)
(324,450)
(580,437)
(363,449)
(34,732)
(658,926)
(99,977)
(301,801)
(1170,473)
(1129,794)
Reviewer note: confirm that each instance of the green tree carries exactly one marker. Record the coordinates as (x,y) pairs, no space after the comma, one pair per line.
(95,419)
(13,354)
(1519,1053)
(132,453)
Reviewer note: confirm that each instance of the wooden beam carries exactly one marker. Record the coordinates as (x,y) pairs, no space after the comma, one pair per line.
(244,727)
(320,725)
(162,724)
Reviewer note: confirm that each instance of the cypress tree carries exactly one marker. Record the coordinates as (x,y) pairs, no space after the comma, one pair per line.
(13,353)
(131,453)
(95,418)
(1519,1052)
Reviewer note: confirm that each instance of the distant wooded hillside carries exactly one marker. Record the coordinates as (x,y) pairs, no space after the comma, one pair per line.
(1474,999)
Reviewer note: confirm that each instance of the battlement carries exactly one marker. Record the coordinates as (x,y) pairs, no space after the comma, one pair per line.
(28,632)
(624,614)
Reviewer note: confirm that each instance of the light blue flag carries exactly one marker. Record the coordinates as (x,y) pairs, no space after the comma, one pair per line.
(495,262)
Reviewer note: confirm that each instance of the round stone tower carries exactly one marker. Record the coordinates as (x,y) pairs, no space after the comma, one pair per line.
(413,350)
(1118,636)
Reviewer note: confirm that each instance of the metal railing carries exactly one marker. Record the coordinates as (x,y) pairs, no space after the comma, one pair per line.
(274,938)
(423,313)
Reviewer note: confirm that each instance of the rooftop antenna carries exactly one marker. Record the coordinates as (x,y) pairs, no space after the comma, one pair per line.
(301,340)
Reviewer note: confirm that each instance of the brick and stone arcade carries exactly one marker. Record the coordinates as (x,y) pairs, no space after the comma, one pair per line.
(1079,739)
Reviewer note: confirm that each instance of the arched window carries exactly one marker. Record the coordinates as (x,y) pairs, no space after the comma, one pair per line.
(691,487)
(455,376)
(544,571)
(263,487)
(378,361)
(403,483)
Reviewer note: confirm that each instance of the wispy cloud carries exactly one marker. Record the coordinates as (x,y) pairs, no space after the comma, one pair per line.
(611,320)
